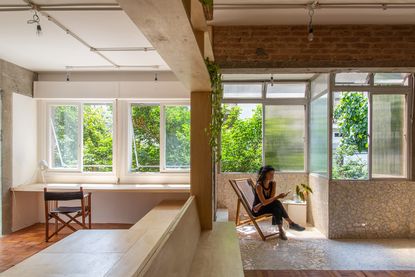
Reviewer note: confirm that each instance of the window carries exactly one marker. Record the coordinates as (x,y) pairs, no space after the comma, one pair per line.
(350,150)
(242,138)
(391,79)
(177,126)
(249,90)
(284,137)
(388,139)
(352,79)
(81,130)
(65,131)
(97,137)
(318,135)
(286,90)
(145,142)
(160,138)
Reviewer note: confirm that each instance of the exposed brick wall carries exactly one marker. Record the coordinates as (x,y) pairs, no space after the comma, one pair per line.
(333,46)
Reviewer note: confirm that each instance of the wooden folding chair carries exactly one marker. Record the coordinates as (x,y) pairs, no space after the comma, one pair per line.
(53,210)
(244,189)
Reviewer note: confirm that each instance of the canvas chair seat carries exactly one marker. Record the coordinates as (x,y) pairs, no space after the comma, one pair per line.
(245,191)
(66,210)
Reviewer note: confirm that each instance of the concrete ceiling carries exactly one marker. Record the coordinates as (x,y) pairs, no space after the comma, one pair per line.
(264,14)
(54,50)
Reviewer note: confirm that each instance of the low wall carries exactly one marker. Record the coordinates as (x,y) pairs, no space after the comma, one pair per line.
(318,204)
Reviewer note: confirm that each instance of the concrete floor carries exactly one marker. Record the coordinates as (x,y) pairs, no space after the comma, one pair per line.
(311,250)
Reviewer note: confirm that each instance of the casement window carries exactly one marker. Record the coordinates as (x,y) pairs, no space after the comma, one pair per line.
(159,138)
(369,125)
(80,137)
(265,123)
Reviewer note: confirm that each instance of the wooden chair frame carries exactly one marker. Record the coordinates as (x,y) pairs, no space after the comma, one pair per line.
(254,219)
(85,212)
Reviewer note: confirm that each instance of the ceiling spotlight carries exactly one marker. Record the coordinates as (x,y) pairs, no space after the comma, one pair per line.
(68,76)
(311,8)
(36,20)
(155,77)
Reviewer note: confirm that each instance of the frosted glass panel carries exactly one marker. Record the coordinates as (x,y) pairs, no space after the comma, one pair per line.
(284,137)
(319,84)
(388,140)
(391,79)
(286,90)
(253,90)
(319,136)
(352,79)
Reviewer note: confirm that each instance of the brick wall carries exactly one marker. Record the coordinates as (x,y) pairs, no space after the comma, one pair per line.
(333,46)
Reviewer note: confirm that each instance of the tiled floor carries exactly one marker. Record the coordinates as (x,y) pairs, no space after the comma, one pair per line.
(22,244)
(310,250)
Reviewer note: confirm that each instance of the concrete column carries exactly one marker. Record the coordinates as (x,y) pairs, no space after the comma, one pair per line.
(201,157)
(13,79)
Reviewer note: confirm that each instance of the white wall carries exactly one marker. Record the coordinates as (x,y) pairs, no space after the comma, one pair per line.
(25,142)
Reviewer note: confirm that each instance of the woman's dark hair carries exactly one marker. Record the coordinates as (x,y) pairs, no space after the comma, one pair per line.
(262,173)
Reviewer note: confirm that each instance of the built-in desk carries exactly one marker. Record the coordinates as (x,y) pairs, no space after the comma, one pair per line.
(105,187)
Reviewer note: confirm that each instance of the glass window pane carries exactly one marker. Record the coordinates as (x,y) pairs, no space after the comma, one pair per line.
(352,79)
(388,139)
(241,140)
(319,85)
(177,137)
(284,137)
(286,90)
(97,137)
(318,136)
(145,145)
(242,90)
(391,79)
(64,122)
(350,135)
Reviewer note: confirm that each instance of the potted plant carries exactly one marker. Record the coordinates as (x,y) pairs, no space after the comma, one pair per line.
(301,192)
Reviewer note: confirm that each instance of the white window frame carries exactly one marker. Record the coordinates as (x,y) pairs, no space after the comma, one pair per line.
(162,104)
(372,89)
(264,101)
(80,105)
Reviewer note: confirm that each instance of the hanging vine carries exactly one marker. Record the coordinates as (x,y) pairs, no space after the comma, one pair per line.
(218,115)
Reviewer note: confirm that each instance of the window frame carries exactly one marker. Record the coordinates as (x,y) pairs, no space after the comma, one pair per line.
(162,131)
(371,90)
(264,101)
(48,139)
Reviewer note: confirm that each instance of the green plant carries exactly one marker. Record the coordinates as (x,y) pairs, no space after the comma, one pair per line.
(302,191)
(207,2)
(217,110)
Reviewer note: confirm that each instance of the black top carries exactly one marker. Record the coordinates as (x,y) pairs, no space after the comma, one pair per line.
(266,192)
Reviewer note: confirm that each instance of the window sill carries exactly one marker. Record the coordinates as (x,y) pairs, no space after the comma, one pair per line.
(176,188)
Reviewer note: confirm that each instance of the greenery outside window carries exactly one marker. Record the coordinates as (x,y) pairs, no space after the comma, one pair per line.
(81,137)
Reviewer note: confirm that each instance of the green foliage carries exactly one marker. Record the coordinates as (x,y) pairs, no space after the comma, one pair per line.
(351,116)
(217,111)
(207,2)
(97,136)
(65,122)
(146,139)
(177,137)
(241,140)
(302,191)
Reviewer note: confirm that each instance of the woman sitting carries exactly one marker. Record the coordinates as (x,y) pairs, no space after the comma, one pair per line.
(266,202)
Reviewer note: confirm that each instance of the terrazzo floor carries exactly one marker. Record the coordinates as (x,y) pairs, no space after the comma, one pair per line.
(311,250)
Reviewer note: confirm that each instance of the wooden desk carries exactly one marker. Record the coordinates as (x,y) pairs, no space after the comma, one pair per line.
(105,187)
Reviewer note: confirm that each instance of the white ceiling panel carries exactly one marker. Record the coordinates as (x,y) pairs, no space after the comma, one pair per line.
(53,50)
(133,58)
(103,28)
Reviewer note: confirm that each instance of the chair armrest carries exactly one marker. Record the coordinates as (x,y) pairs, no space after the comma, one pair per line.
(87,195)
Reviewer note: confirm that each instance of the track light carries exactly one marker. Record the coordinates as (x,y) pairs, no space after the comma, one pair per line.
(36,20)
(311,8)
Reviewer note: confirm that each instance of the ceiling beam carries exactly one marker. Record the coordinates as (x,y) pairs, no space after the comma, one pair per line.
(168,26)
